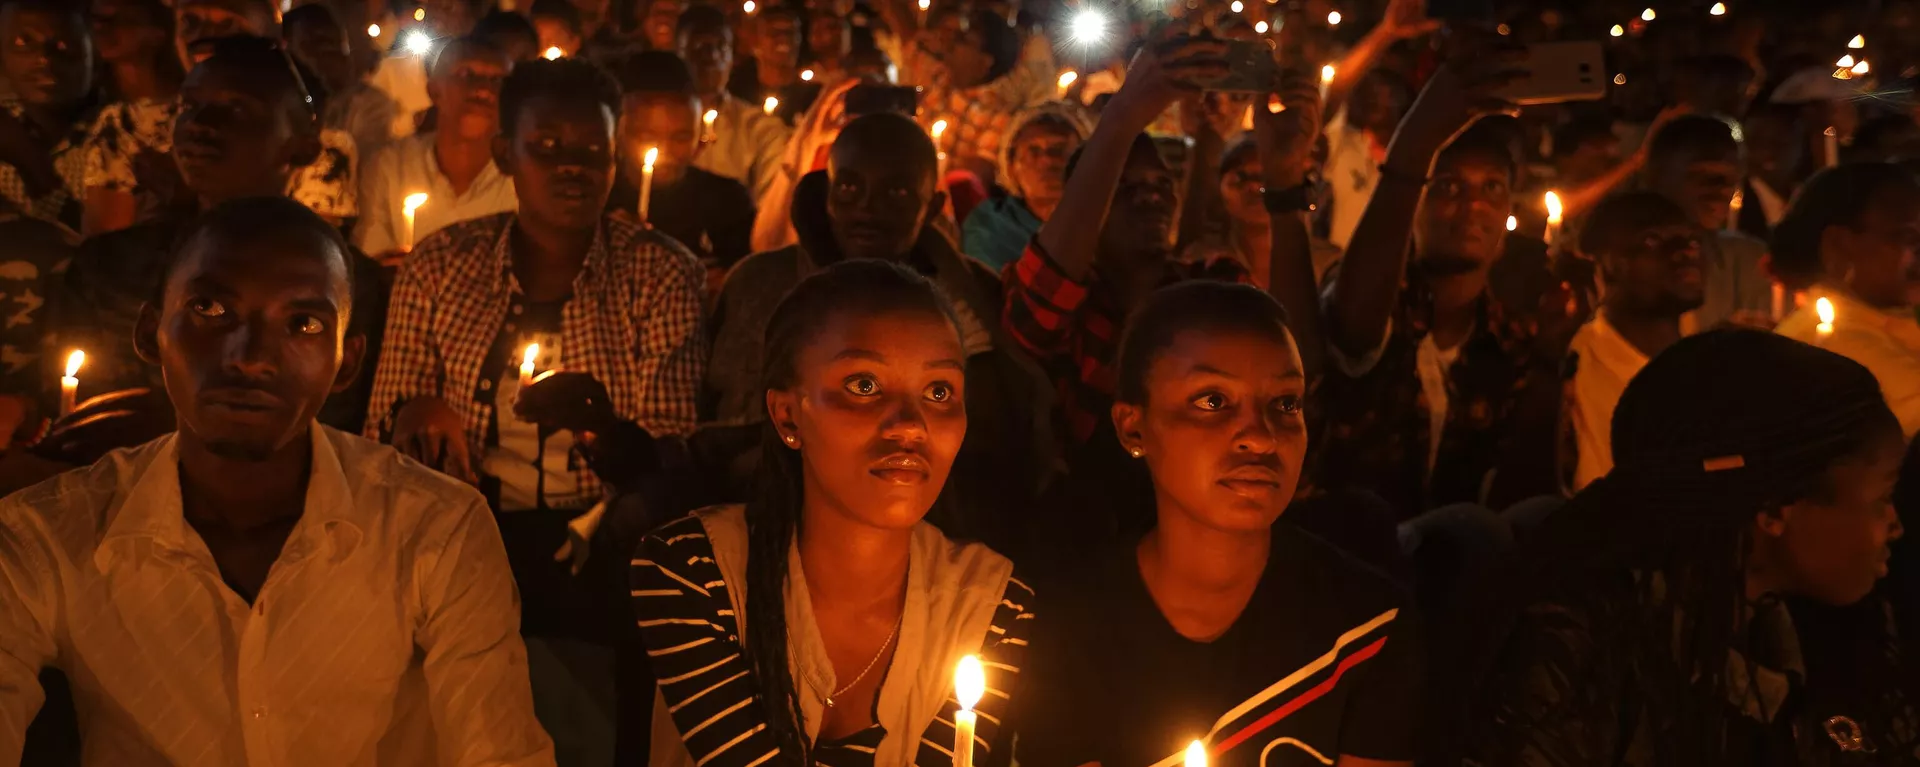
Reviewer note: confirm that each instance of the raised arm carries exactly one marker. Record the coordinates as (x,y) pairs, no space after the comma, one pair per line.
(1360,302)
(1285,142)
(1403,20)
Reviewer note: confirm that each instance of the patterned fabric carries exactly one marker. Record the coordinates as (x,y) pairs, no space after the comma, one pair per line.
(979,118)
(633,323)
(59,205)
(1373,430)
(127,130)
(386,635)
(1073,329)
(35,251)
(689,622)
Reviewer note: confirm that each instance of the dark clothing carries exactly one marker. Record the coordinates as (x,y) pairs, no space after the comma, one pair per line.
(710,214)
(31,360)
(1326,660)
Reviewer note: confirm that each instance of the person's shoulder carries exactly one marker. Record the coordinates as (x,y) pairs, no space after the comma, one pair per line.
(392,156)
(458,243)
(766,271)
(1329,573)
(71,511)
(647,248)
(379,474)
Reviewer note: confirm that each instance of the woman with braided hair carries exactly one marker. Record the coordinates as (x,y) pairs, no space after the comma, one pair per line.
(1645,625)
(821,623)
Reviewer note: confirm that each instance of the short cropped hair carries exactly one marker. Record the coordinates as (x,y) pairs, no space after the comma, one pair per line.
(702,18)
(569,78)
(656,73)
(1693,136)
(252,218)
(1619,220)
(1196,305)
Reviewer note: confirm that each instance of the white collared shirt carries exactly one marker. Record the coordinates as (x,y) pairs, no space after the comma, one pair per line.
(1886,341)
(387,632)
(408,166)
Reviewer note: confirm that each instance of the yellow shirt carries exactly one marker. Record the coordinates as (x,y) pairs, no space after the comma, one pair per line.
(387,632)
(1886,342)
(1605,362)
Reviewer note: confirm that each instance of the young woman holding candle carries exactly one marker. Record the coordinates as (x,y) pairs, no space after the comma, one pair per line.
(1223,623)
(822,622)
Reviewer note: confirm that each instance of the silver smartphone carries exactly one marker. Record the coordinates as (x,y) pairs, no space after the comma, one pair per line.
(1561,72)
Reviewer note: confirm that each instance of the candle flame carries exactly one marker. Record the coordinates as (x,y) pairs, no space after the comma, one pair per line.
(772,104)
(1860,68)
(1553,208)
(1326,74)
(1236,7)
(78,358)
(653,154)
(1647,15)
(1858,42)
(1333,18)
(969,682)
(1718,9)
(413,202)
(553,53)
(1260,27)
(1616,31)
(925,4)
(1274,104)
(527,357)
(806,75)
(1512,223)
(939,127)
(1196,754)
(1845,61)
(747,7)
(373,30)
(1067,78)
(710,116)
(1824,308)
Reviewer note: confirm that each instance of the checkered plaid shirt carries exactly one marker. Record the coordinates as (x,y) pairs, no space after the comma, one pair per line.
(633,322)
(69,159)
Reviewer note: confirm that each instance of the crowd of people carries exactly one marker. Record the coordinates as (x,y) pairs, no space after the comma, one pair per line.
(622,382)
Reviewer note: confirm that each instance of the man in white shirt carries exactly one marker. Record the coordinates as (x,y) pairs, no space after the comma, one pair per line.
(452,164)
(1649,252)
(256,588)
(745,143)
(402,75)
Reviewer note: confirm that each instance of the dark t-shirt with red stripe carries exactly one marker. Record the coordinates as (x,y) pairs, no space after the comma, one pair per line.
(1325,661)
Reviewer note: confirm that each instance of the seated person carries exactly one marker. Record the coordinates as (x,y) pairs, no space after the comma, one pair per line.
(860,608)
(245,130)
(1033,175)
(1645,625)
(1223,624)
(1649,253)
(51,105)
(258,586)
(1850,234)
(710,214)
(747,142)
(1697,161)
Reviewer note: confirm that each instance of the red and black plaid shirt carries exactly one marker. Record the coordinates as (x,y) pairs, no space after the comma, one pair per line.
(1073,329)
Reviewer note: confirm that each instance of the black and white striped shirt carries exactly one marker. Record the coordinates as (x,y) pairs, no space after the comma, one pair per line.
(691,632)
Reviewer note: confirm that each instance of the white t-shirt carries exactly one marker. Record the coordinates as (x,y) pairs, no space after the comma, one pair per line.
(512,460)
(1433,363)
(1604,363)
(1352,172)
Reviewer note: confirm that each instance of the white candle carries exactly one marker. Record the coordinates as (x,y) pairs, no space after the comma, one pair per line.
(1326,78)
(1779,302)
(1832,143)
(646,180)
(969,683)
(407,209)
(940,151)
(1553,218)
(70,383)
(706,120)
(1824,308)
(526,364)
(924,6)
(1196,754)
(748,7)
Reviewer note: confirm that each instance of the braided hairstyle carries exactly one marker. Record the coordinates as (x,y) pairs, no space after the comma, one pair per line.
(859,287)
(1720,427)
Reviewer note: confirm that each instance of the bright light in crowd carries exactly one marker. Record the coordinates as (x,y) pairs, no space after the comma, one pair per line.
(1067,78)
(1858,42)
(1196,755)
(419,14)
(1512,223)
(1860,68)
(969,682)
(553,53)
(939,127)
(1845,61)
(747,7)
(1824,308)
(772,104)
(1333,18)
(1552,202)
(1326,74)
(1236,7)
(78,358)
(1646,15)
(373,30)
(1620,79)
(1260,27)
(1617,31)
(418,43)
(806,75)
(1718,9)
(1089,27)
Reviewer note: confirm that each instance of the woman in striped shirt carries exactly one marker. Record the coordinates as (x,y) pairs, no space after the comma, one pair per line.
(821,623)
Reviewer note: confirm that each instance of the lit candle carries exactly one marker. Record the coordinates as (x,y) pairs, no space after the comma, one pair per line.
(1066,81)
(1858,42)
(407,209)
(925,5)
(646,180)
(748,7)
(1824,308)
(553,53)
(707,120)
(1333,18)
(526,364)
(1553,218)
(373,30)
(1616,31)
(1861,68)
(1845,62)
(1512,223)
(806,75)
(771,104)
(1733,208)
(1326,78)
(1196,754)
(70,383)
(1718,9)
(1237,7)
(1831,142)
(1260,27)
(1647,15)
(940,151)
(969,683)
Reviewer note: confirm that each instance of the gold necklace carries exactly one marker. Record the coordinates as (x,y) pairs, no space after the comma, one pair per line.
(870,664)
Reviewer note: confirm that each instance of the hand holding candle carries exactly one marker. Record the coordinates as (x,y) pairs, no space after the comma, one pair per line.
(646,180)
(70,383)
(407,209)
(969,683)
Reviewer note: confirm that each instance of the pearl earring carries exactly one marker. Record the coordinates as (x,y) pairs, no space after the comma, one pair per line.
(793,441)
(1136,452)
